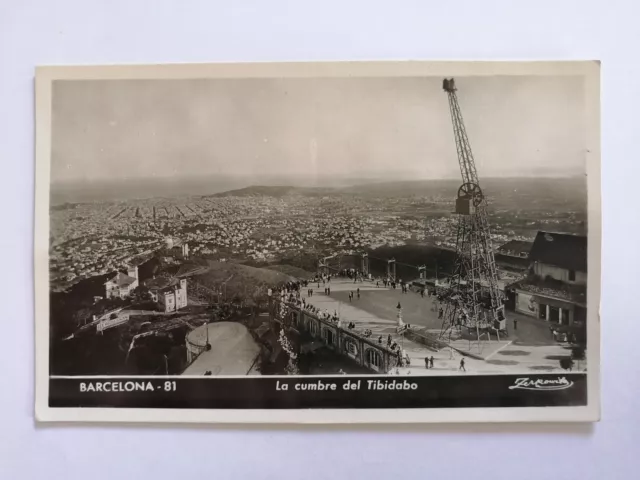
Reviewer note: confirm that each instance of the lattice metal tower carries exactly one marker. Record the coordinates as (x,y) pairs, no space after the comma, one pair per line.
(474,301)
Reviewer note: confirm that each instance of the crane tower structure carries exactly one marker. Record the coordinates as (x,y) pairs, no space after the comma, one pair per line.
(473,303)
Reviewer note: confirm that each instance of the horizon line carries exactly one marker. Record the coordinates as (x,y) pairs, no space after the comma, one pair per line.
(324,177)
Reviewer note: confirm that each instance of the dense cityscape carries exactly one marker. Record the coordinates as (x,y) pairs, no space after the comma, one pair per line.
(90,239)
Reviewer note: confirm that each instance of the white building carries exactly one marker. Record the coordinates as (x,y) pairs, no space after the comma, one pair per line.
(170,297)
(121,285)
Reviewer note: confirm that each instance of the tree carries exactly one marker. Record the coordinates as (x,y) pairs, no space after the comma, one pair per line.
(292,364)
(141,294)
(81,316)
(259,296)
(566,363)
(578,354)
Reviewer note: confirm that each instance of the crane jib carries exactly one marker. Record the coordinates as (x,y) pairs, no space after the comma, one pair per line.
(473,303)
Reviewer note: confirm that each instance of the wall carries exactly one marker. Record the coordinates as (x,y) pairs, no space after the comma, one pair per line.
(111,290)
(581,278)
(167,301)
(193,349)
(365,352)
(130,288)
(558,273)
(532,305)
(525,304)
(181,295)
(122,31)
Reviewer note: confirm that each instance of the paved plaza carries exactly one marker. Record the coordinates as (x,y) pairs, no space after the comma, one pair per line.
(530,348)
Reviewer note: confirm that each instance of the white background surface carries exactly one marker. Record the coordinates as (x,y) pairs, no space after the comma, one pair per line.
(129,31)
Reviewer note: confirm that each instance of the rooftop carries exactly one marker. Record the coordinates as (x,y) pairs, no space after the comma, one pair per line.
(561,250)
(516,246)
(553,288)
(122,279)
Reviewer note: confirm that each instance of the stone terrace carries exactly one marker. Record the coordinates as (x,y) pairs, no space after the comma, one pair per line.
(529,349)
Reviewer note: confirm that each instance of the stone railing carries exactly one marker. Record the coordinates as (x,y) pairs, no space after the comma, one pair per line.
(362,350)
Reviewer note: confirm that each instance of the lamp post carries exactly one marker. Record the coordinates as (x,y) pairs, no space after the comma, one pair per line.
(400,328)
(207,345)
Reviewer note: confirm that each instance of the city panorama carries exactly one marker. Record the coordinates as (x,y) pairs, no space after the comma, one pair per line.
(392,226)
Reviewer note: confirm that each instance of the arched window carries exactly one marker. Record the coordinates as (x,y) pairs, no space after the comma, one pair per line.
(350,348)
(313,328)
(329,336)
(374,359)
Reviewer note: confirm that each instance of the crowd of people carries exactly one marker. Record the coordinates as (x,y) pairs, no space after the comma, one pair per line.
(290,293)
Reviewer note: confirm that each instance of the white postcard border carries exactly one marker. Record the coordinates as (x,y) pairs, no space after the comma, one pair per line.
(45,76)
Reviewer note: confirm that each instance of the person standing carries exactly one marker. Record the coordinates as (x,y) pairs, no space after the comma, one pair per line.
(431,361)
(426,362)
(462,365)
(358,292)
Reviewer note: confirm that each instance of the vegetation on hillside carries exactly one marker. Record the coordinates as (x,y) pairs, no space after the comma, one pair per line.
(239,283)
(291,270)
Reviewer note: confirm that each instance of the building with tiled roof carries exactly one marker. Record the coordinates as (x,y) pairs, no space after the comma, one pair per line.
(562,251)
(121,285)
(555,290)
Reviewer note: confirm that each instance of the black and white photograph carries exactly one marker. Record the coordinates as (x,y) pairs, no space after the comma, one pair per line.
(311,242)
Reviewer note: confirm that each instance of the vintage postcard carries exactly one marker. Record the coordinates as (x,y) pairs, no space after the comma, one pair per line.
(355,242)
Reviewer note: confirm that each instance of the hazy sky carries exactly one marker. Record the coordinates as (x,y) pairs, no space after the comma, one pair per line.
(358,127)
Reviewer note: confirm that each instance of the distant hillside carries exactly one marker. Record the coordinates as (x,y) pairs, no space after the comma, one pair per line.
(274,191)
(519,193)
(493,186)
